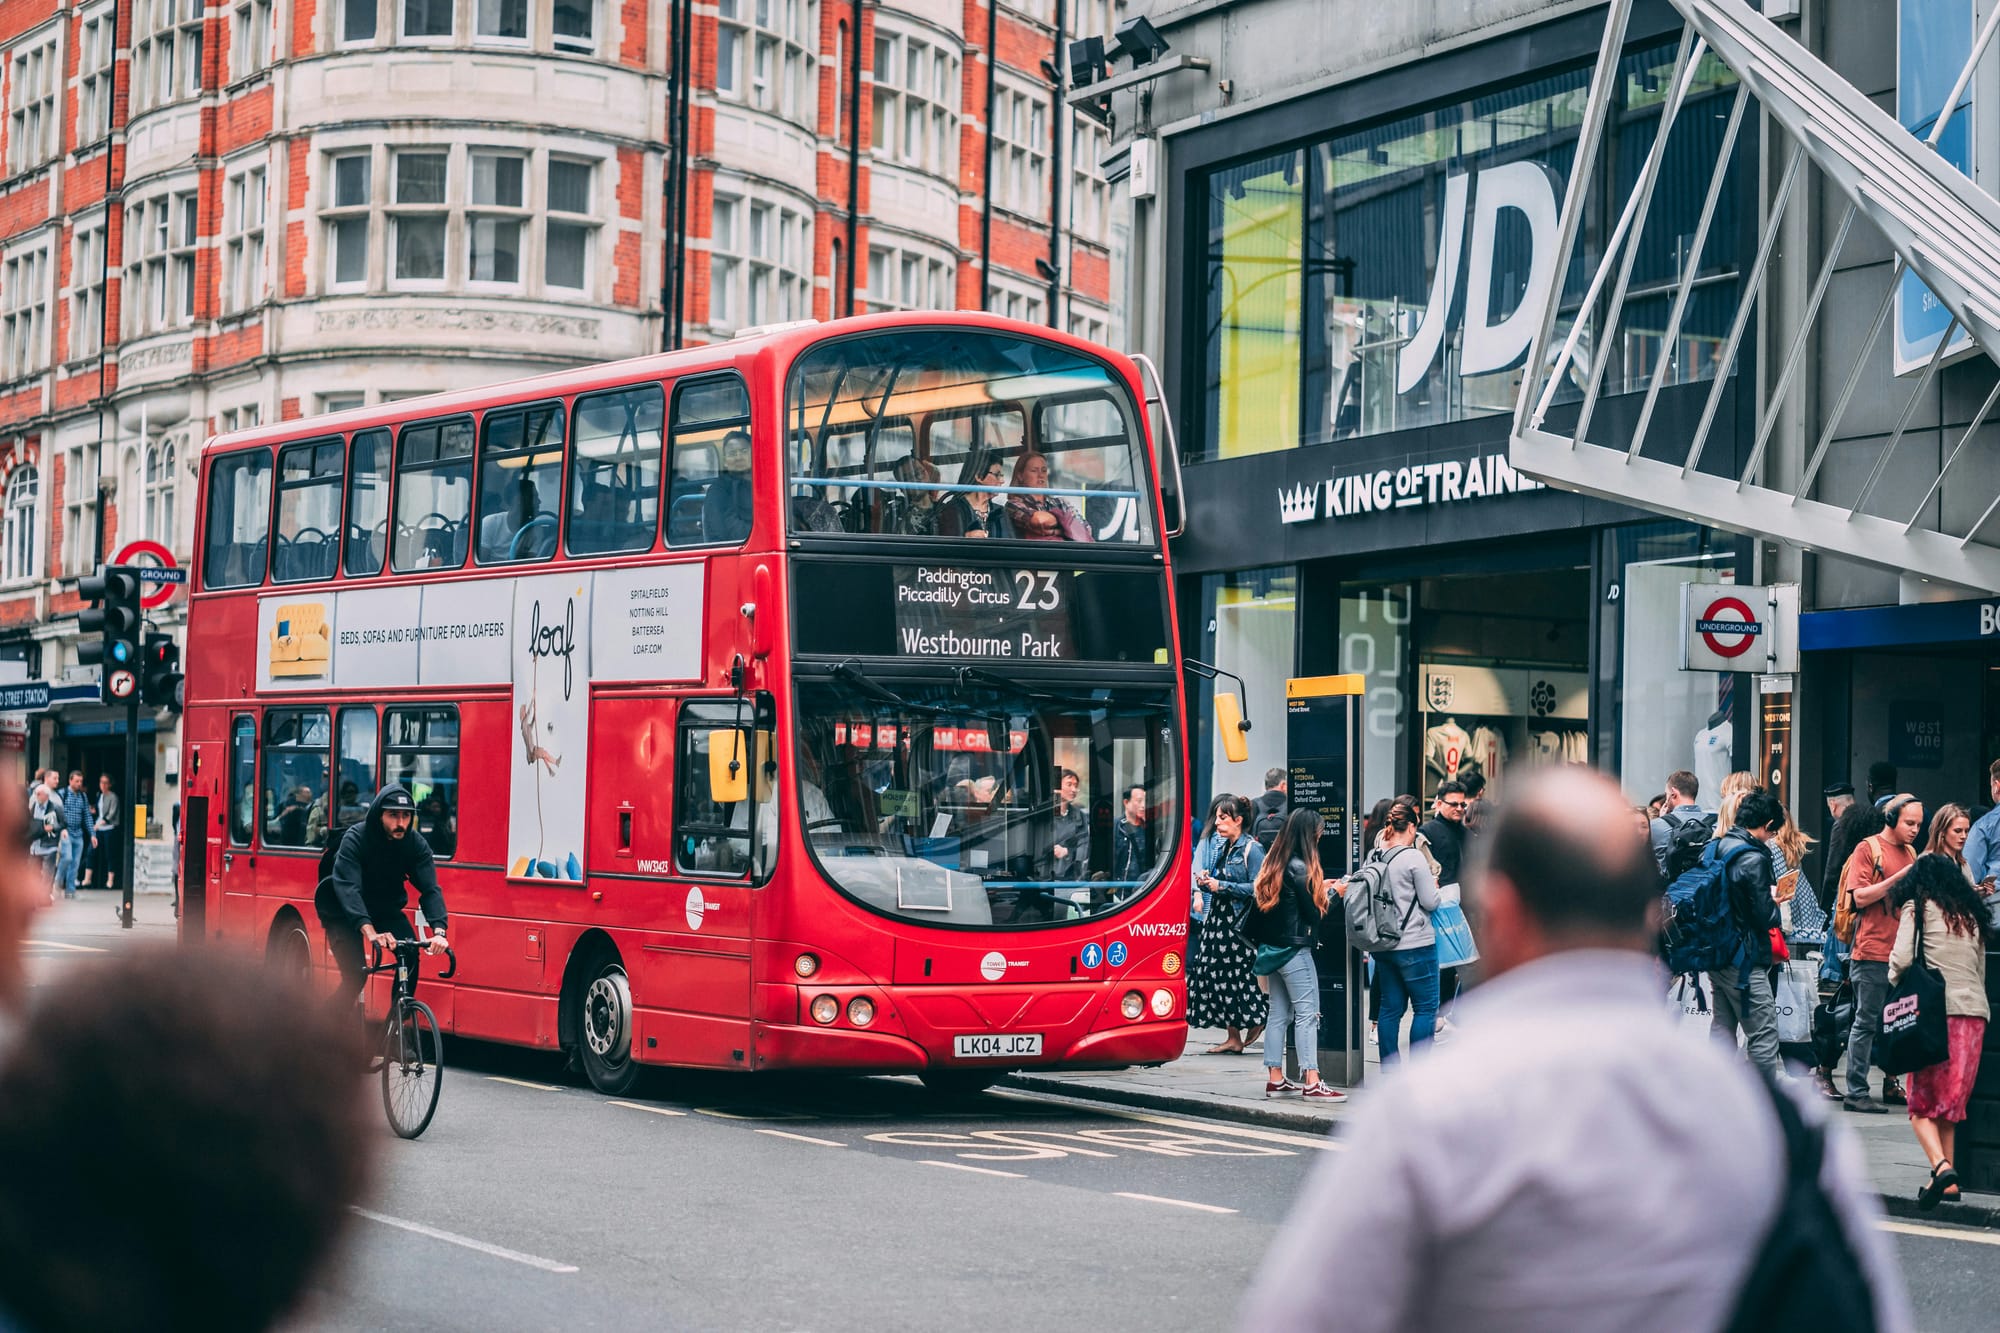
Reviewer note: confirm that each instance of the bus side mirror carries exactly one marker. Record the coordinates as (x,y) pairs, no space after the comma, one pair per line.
(731,763)
(1229,720)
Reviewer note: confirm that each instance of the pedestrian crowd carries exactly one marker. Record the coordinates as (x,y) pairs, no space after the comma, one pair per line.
(74,832)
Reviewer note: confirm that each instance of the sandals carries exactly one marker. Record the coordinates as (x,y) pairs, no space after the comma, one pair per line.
(1223,1048)
(1943,1177)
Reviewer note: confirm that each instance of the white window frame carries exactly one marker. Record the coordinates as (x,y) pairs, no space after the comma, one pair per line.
(34,79)
(79,500)
(905,278)
(1016,298)
(373,9)
(915,74)
(332,213)
(407,38)
(573,45)
(245,213)
(552,218)
(97,34)
(498,213)
(26,278)
(250,35)
(760,260)
(86,288)
(1089,195)
(1020,150)
(161,241)
(398,213)
(481,37)
(21,525)
(166,51)
(766,56)
(244,417)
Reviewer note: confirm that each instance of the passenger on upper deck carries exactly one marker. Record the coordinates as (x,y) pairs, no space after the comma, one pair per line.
(912,513)
(973,513)
(726,507)
(500,533)
(1042,518)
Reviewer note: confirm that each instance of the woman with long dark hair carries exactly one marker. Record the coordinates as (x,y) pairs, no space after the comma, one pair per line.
(1951,917)
(1408,975)
(1222,990)
(1291,897)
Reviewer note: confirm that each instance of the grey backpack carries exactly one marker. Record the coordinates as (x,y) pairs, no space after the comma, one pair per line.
(1370,905)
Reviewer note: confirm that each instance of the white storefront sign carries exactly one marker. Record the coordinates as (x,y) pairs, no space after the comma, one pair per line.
(1348,495)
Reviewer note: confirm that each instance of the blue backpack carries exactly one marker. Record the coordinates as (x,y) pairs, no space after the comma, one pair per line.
(1701,932)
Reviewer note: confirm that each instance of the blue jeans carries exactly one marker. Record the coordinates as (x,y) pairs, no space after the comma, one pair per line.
(1407,977)
(68,862)
(1294,1000)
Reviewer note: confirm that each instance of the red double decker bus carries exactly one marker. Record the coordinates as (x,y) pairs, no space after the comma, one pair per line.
(804,701)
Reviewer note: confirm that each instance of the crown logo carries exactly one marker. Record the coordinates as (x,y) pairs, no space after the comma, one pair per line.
(1300,504)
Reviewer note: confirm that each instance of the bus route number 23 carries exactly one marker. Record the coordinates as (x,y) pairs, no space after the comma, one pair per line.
(1036,590)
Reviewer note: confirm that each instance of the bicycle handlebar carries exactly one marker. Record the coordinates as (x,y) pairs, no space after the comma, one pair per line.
(376,964)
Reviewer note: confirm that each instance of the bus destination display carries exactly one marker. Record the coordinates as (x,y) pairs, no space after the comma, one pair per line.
(951,611)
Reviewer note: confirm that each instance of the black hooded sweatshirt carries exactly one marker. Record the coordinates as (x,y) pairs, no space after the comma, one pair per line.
(369,868)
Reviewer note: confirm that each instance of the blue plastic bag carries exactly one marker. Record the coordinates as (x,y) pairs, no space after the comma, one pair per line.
(1456,947)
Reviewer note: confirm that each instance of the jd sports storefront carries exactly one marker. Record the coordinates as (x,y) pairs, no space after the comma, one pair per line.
(1357,297)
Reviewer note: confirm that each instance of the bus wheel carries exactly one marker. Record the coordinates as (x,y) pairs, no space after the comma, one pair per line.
(289,951)
(604,1026)
(956,1082)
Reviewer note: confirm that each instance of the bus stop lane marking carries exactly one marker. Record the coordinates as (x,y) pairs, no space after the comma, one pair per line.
(801,1138)
(961,1166)
(467,1242)
(1178,1203)
(523,1083)
(1032,1145)
(656,1110)
(1175,1122)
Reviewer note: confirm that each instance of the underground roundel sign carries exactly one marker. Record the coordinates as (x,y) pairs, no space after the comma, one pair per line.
(1728,627)
(157,593)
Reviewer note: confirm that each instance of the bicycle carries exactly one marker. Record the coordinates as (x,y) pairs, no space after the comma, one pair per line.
(412,1049)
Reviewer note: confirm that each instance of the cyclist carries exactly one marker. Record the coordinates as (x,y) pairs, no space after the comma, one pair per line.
(361,896)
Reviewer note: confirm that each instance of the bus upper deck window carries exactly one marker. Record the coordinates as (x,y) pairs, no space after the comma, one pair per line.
(711,498)
(433,495)
(308,545)
(520,484)
(239,520)
(368,503)
(615,479)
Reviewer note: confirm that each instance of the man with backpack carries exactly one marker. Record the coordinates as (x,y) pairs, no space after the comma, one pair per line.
(1267,812)
(1683,828)
(1744,979)
(1571,1160)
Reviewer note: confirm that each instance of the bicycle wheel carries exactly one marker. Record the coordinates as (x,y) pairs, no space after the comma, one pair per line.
(413,1070)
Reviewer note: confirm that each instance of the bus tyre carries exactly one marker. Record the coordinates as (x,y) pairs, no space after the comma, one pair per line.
(604,1027)
(289,950)
(957,1082)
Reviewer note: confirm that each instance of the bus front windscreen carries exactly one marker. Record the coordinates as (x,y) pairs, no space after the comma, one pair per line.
(987,805)
(959,432)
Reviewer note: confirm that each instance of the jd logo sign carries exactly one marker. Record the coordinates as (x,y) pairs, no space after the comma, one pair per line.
(1528,188)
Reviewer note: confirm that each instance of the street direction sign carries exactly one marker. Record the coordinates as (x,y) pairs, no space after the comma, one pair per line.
(24,696)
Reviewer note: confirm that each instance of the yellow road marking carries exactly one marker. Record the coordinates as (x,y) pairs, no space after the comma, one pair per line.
(1178,1203)
(802,1138)
(656,1110)
(58,944)
(977,1170)
(1942,1233)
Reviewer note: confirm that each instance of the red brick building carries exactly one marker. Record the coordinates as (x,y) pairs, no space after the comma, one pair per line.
(220,212)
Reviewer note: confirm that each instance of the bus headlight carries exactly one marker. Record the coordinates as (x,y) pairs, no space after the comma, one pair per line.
(825,1009)
(1171,964)
(805,965)
(861,1011)
(1133,1005)
(1163,1003)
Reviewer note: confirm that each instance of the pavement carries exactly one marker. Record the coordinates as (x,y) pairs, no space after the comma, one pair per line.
(1231,1087)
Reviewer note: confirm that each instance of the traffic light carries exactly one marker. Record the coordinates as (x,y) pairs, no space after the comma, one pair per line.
(113,615)
(160,672)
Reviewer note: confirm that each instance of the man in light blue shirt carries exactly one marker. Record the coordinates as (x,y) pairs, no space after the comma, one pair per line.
(1982,848)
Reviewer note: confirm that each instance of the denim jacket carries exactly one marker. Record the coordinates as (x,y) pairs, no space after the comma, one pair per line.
(1236,872)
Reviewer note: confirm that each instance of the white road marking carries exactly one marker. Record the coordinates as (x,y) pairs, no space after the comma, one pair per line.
(523,1083)
(1178,1203)
(1941,1233)
(656,1110)
(1176,1122)
(802,1138)
(467,1242)
(721,1114)
(58,944)
(979,1170)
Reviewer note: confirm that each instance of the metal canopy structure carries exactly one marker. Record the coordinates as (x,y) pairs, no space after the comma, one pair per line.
(1941,227)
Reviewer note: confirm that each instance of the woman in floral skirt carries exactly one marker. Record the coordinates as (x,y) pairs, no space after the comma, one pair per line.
(1222,990)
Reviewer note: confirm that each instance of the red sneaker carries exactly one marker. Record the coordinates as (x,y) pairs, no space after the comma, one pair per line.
(1283,1087)
(1319,1092)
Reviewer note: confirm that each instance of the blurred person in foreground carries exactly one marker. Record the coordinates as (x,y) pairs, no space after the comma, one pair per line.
(23,892)
(181,1138)
(1573,1161)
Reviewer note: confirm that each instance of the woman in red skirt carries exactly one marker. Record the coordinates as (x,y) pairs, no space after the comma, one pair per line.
(1954,924)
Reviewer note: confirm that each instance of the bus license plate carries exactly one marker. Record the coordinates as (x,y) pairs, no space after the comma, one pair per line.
(996,1045)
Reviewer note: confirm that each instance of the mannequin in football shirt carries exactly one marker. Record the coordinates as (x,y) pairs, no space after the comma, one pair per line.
(1446,746)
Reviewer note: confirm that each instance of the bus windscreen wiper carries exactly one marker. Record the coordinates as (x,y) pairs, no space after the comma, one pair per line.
(999,682)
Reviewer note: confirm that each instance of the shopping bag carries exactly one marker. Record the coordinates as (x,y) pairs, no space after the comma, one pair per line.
(1456,946)
(1798,994)
(1689,998)
(1914,1033)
